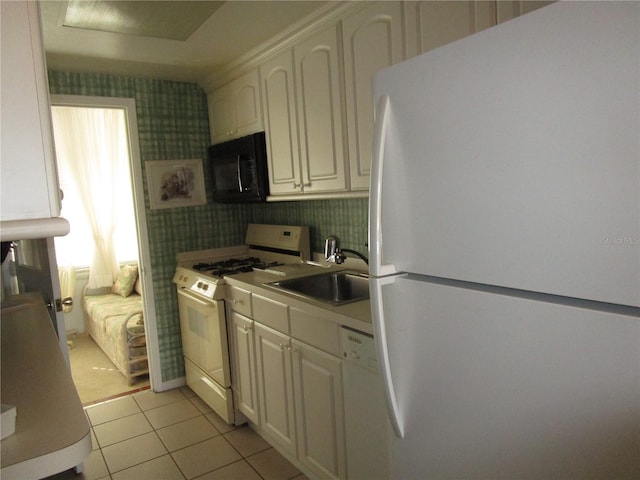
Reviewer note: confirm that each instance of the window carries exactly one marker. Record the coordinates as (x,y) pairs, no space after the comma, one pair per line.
(104,129)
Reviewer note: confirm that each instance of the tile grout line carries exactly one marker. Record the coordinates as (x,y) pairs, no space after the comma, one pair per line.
(154,430)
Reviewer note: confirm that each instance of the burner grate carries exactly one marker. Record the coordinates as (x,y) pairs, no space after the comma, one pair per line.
(233,265)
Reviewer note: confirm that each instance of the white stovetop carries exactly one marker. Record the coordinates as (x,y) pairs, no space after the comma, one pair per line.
(188,259)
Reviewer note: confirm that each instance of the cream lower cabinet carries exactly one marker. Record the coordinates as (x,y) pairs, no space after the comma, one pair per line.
(301,403)
(290,390)
(275,387)
(245,385)
(317,378)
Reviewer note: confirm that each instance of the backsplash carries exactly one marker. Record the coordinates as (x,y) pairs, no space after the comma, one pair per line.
(345,218)
(173,124)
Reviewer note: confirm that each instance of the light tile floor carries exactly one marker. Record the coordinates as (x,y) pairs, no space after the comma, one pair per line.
(174,436)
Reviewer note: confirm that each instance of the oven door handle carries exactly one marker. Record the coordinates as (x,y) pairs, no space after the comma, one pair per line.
(191,296)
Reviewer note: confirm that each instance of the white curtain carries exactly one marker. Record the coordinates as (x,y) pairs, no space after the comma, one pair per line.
(99,135)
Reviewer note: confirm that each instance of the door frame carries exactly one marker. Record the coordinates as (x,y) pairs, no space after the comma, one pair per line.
(135,166)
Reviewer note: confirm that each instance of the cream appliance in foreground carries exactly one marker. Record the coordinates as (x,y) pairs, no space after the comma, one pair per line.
(505,249)
(200,280)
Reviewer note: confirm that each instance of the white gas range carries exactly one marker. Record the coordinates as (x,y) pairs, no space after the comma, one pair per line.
(271,248)
(200,279)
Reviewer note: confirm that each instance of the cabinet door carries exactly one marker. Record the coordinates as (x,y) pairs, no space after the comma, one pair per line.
(280,121)
(320,124)
(248,109)
(319,411)
(275,388)
(239,300)
(244,361)
(29,180)
(235,109)
(443,22)
(372,39)
(507,10)
(221,114)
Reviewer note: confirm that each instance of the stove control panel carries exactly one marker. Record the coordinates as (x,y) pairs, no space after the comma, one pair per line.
(281,237)
(203,287)
(198,285)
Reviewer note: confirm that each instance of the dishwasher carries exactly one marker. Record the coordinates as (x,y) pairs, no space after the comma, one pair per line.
(366,423)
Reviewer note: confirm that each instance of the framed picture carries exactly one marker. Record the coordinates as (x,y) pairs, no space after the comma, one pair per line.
(175,183)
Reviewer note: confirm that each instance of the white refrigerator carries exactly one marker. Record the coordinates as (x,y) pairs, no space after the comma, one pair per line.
(505,249)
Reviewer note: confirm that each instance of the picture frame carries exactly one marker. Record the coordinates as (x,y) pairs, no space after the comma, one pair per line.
(175,183)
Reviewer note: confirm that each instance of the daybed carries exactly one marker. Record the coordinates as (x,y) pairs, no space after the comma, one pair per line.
(115,321)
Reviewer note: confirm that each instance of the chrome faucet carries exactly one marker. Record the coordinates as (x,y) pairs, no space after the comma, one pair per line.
(333,253)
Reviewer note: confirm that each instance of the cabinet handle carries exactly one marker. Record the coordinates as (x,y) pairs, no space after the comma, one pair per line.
(235,301)
(297,185)
(308,184)
(248,327)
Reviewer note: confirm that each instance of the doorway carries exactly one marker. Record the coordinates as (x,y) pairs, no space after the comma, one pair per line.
(84,352)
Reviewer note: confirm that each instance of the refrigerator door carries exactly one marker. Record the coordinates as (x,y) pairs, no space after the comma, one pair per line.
(492,386)
(511,157)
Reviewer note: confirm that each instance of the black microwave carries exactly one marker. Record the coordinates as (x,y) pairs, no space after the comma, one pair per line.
(239,169)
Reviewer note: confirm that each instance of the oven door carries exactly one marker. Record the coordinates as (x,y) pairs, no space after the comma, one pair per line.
(204,335)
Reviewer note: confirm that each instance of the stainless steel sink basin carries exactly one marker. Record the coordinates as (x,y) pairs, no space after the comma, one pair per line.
(335,288)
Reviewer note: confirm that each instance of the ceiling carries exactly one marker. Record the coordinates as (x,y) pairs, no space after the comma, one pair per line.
(170,40)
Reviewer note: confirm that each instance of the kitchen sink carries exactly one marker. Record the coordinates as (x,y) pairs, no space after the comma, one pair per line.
(336,288)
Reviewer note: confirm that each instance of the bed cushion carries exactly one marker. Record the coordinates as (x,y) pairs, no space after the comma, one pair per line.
(126,280)
(102,307)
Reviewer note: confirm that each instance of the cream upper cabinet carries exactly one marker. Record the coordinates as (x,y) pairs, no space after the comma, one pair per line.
(319,107)
(280,121)
(235,109)
(435,23)
(317,87)
(30,195)
(221,115)
(372,39)
(506,10)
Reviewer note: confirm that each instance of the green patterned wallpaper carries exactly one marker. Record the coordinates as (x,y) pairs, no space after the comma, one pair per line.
(173,124)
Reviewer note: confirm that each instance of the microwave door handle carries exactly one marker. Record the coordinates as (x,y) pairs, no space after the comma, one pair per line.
(240,186)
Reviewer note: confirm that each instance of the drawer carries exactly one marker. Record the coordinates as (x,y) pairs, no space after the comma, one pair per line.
(239,300)
(219,398)
(271,313)
(315,331)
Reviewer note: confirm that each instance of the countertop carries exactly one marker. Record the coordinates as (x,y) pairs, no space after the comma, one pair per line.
(52,432)
(356,315)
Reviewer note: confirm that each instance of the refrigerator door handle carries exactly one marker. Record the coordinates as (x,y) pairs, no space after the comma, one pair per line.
(382,351)
(376,268)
